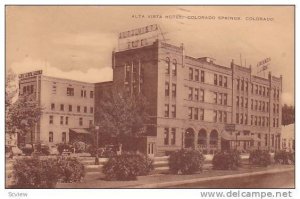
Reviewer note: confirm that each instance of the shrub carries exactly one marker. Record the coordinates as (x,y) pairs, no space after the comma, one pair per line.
(226,160)
(34,172)
(284,157)
(186,161)
(27,150)
(260,157)
(70,169)
(127,166)
(79,147)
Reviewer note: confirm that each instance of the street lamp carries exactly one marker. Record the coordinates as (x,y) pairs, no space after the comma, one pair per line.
(97,157)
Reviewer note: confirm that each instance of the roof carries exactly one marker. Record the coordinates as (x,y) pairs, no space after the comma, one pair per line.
(80,131)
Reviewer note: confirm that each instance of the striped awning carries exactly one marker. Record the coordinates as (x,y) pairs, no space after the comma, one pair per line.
(80,131)
(232,137)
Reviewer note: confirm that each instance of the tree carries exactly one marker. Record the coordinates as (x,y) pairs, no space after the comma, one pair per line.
(10,87)
(288,115)
(22,116)
(122,115)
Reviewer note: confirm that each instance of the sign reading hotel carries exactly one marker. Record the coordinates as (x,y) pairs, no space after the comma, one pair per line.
(139,37)
(30,74)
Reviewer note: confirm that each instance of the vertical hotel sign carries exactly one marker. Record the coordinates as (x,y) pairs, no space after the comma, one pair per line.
(139,37)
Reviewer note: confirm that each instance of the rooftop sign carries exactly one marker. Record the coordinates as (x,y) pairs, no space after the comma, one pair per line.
(30,74)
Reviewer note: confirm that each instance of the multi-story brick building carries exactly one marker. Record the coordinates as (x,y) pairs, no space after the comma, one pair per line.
(67,106)
(192,100)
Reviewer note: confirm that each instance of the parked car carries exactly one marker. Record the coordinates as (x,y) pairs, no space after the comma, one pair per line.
(53,150)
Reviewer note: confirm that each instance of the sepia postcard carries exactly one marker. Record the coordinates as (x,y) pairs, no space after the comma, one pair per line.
(150,97)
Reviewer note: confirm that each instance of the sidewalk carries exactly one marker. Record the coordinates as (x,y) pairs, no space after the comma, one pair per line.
(166,180)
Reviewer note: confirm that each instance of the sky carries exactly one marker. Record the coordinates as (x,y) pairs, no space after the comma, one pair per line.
(76,42)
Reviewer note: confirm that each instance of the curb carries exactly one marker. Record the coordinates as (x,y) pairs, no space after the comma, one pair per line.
(181,182)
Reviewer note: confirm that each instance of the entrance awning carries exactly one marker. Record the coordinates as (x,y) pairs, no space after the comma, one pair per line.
(80,131)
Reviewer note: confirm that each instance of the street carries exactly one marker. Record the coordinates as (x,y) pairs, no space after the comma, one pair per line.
(278,180)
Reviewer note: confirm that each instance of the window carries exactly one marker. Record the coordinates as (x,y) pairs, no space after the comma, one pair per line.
(215,97)
(274,108)
(81,93)
(267,121)
(264,91)
(91,94)
(263,106)
(166,110)
(91,123)
(78,109)
(242,118)
(215,116)
(70,91)
(70,108)
(190,97)
(256,105)
(173,136)
(202,76)
(67,120)
(220,80)
(167,65)
(173,90)
(84,93)
(50,136)
(225,81)
(225,98)
(91,110)
(255,121)
(220,116)
(196,74)
(62,107)
(260,91)
(237,101)
(278,94)
(201,95)
(242,84)
(246,86)
(166,136)
(238,84)
(167,89)
(190,114)
(196,112)
(246,119)
(52,106)
(252,87)
(190,73)
(277,122)
(259,107)
(220,98)
(268,92)
(215,79)
(201,114)
(277,108)
(173,111)
(267,106)
(225,116)
(61,120)
(50,119)
(85,109)
(80,121)
(64,137)
(251,104)
(246,102)
(256,89)
(259,121)
(263,121)
(242,102)
(237,118)
(251,120)
(197,94)
(174,68)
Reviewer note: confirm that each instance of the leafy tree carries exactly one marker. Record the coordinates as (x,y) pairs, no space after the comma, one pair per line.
(22,116)
(122,115)
(288,115)
(10,87)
